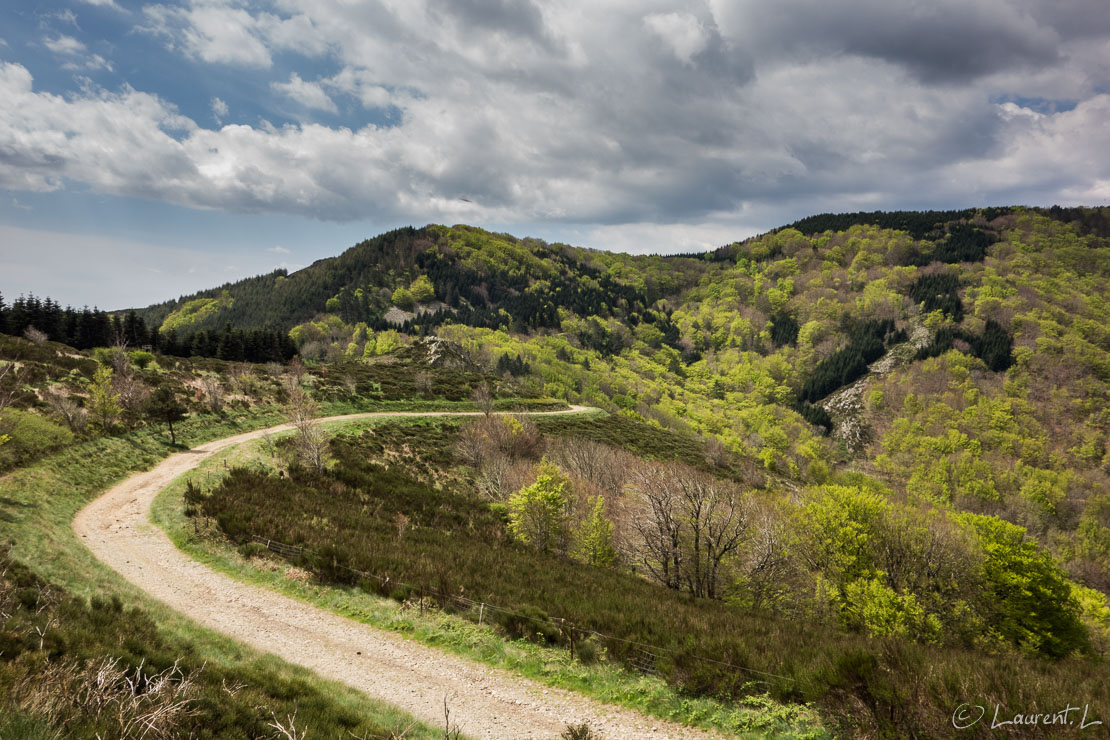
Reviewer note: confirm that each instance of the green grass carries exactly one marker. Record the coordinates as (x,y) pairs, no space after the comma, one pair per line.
(37,505)
(554,667)
(32,436)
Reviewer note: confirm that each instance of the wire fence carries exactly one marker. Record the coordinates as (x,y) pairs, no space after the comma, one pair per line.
(643,657)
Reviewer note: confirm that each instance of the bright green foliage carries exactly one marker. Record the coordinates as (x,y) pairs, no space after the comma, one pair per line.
(593,540)
(1031,598)
(403,298)
(387,341)
(103,404)
(870,605)
(196,312)
(539,513)
(838,524)
(141,359)
(721,345)
(421,289)
(1092,539)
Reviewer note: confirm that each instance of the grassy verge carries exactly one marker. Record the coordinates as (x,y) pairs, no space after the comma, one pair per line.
(554,667)
(38,503)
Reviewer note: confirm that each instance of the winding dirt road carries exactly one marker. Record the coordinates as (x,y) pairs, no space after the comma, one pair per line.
(485,702)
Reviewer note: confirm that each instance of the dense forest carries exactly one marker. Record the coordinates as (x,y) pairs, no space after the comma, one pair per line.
(435,274)
(87,328)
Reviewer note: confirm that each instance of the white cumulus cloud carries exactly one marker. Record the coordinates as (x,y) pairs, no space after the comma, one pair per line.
(66,45)
(308,94)
(219,109)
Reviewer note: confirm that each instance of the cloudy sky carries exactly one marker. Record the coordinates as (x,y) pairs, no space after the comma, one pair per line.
(152,149)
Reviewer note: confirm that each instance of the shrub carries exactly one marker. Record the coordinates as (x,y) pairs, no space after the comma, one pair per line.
(578,732)
(1032,601)
(253,550)
(594,538)
(141,359)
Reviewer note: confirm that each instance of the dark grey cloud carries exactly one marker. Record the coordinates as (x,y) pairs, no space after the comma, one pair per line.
(521,17)
(942,41)
(1073,19)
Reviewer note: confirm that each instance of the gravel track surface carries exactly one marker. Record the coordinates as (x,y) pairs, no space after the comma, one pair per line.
(485,702)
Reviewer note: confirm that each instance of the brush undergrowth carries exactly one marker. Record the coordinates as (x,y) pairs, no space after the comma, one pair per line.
(453,544)
(755,714)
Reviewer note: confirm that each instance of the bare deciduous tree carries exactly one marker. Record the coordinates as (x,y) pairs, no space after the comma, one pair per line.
(499,475)
(297,368)
(766,567)
(311,441)
(33,335)
(61,403)
(716,454)
(717,518)
(658,525)
(492,477)
(690,523)
(497,448)
(514,436)
(483,398)
(133,392)
(473,445)
(213,392)
(606,467)
(242,378)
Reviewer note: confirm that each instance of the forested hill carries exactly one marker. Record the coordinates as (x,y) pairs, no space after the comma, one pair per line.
(463,273)
(473,277)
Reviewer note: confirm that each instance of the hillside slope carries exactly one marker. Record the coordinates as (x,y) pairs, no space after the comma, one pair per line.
(1002,411)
